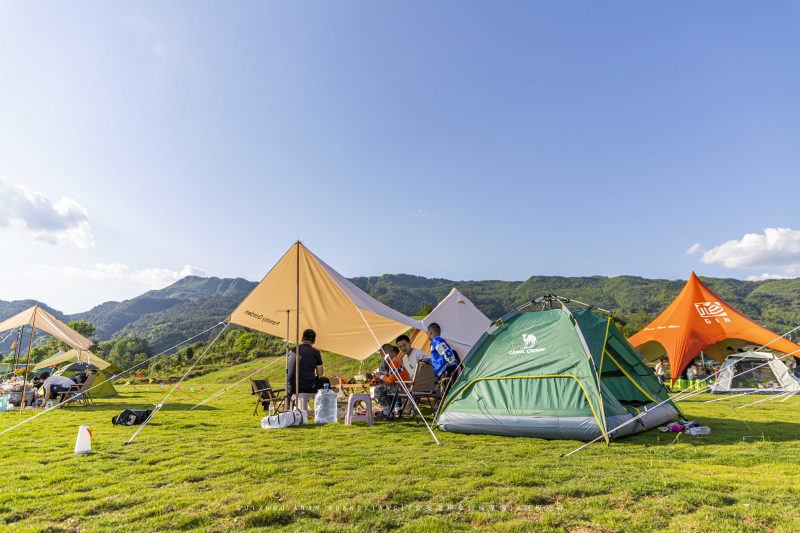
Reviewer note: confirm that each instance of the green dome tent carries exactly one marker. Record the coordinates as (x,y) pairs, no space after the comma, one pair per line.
(554,375)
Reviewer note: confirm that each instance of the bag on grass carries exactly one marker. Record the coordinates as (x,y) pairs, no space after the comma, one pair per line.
(131,417)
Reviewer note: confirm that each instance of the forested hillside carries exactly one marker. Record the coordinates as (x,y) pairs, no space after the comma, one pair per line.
(187,307)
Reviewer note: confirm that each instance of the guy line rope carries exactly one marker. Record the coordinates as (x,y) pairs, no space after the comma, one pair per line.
(160,405)
(112,377)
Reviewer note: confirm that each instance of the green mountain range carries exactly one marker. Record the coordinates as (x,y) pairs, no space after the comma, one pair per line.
(187,307)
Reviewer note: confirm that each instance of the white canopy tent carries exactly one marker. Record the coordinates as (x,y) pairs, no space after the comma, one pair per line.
(462,324)
(770,378)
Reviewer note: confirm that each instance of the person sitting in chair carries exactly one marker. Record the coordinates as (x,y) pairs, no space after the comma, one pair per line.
(442,357)
(386,391)
(312,373)
(694,373)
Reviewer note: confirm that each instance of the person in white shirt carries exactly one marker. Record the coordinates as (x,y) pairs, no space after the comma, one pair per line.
(693,373)
(660,370)
(411,356)
(55,385)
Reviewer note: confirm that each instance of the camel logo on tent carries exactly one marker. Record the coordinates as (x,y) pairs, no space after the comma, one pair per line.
(709,310)
(530,341)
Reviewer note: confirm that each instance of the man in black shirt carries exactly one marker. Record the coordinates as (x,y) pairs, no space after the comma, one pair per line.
(311,370)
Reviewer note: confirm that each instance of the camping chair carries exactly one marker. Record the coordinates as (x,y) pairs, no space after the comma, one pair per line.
(423,386)
(265,394)
(80,394)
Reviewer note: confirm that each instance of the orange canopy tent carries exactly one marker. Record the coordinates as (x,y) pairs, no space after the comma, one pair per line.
(699,320)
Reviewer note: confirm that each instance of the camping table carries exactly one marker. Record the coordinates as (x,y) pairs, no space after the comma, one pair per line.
(354,386)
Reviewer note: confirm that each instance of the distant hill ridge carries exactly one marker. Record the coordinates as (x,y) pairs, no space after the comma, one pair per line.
(192,304)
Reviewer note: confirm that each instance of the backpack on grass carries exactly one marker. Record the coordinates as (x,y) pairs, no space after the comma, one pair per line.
(131,417)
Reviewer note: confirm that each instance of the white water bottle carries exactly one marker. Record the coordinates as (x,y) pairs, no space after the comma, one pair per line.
(271,409)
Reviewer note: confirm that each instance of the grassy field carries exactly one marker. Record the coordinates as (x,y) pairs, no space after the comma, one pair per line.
(215,469)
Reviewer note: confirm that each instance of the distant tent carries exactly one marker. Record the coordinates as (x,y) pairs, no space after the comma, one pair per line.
(343,316)
(554,375)
(762,373)
(699,320)
(462,324)
(41,319)
(103,386)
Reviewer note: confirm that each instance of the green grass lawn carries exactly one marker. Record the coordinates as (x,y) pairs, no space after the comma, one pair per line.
(215,469)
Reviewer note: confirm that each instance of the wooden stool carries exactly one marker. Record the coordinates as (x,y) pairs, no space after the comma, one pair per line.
(351,402)
(302,399)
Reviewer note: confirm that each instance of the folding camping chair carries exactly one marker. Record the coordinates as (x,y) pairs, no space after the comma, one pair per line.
(423,386)
(80,394)
(265,394)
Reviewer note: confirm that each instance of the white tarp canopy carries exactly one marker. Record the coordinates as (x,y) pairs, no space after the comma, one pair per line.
(773,377)
(38,318)
(462,324)
(338,311)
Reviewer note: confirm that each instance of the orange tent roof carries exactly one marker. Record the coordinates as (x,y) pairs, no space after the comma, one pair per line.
(699,320)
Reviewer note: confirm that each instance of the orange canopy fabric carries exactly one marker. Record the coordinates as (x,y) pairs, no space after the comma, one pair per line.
(699,320)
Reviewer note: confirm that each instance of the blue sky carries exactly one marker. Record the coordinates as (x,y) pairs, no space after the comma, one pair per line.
(143,141)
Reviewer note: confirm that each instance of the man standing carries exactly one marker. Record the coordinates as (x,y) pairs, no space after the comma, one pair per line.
(442,357)
(411,356)
(311,370)
(660,370)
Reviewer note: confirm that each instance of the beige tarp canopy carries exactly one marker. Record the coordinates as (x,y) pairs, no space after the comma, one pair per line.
(329,304)
(74,356)
(41,319)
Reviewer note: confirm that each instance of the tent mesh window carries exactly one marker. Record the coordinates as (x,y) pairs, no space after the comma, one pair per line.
(760,378)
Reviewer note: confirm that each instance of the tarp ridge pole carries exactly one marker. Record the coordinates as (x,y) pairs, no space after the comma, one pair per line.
(113,377)
(397,373)
(159,405)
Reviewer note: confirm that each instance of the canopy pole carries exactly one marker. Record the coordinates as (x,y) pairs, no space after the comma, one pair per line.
(297,346)
(28,361)
(397,375)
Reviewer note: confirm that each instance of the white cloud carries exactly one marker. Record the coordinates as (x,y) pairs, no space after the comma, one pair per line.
(158,278)
(29,213)
(693,249)
(765,276)
(152,278)
(776,248)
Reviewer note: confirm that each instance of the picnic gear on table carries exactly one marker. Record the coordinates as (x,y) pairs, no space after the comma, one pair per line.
(83,444)
(131,417)
(284,420)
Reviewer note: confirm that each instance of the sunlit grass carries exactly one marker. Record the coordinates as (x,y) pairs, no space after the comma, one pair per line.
(215,469)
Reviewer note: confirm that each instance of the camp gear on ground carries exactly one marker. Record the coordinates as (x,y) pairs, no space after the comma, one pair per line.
(83,444)
(285,420)
(325,407)
(699,320)
(266,396)
(698,430)
(761,373)
(557,375)
(131,417)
